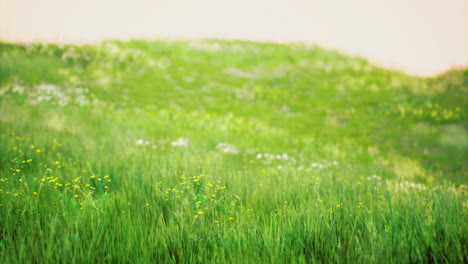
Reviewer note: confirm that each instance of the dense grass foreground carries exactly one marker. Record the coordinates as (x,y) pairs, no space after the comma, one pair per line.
(238,152)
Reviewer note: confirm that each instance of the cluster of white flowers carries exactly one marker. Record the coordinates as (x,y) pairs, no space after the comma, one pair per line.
(407,184)
(47,92)
(143,142)
(227,148)
(323,165)
(17,88)
(317,165)
(180,142)
(374,177)
(286,160)
(284,156)
(320,165)
(268,158)
(51,93)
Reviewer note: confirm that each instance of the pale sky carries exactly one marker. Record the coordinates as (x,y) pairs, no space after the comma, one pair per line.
(421,37)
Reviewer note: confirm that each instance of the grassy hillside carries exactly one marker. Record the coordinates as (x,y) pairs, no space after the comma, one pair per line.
(223,151)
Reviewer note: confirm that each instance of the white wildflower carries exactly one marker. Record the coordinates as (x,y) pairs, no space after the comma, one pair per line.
(407,184)
(375,177)
(142,142)
(227,148)
(18,89)
(180,142)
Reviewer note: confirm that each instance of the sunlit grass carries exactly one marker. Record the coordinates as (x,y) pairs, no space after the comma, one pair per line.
(216,151)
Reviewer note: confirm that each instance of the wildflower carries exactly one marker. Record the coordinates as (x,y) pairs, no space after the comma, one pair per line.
(227,148)
(180,142)
(412,185)
(142,142)
(374,177)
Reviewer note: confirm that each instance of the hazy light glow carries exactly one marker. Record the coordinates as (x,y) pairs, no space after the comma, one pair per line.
(418,36)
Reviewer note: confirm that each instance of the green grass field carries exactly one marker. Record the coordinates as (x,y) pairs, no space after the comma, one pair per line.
(227,152)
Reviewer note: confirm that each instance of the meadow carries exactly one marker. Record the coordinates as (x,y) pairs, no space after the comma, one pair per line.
(212,151)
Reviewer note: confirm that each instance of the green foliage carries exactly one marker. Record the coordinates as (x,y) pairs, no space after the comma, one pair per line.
(227,151)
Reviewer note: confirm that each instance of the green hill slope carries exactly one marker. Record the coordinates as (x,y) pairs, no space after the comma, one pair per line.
(233,151)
